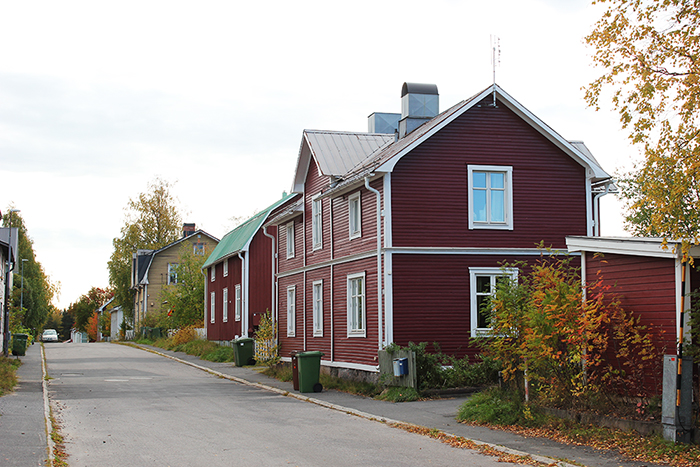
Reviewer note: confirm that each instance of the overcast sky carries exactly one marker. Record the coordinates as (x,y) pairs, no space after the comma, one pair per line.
(98,98)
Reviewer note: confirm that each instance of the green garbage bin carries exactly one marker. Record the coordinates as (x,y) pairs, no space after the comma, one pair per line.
(309,370)
(243,351)
(19,344)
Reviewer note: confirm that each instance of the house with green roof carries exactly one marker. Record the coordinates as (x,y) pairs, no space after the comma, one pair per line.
(239,277)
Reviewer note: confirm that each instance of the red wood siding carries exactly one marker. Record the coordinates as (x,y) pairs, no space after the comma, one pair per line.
(429,185)
(319,343)
(220,331)
(646,286)
(298,260)
(342,244)
(314,184)
(291,344)
(260,277)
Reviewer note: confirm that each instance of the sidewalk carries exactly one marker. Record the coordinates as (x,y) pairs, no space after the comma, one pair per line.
(22,422)
(439,413)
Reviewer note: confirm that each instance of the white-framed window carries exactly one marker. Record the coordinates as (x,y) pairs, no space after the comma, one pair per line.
(172,273)
(198,248)
(490,197)
(354,215)
(212,311)
(357,313)
(482,285)
(317,223)
(212,273)
(290,240)
(239,302)
(224,309)
(317,300)
(291,310)
(225,267)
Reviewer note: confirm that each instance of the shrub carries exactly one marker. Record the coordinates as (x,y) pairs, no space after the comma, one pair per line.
(498,407)
(220,354)
(266,350)
(184,335)
(8,377)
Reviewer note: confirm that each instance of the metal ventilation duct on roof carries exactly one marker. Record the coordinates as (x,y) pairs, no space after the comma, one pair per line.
(385,123)
(419,103)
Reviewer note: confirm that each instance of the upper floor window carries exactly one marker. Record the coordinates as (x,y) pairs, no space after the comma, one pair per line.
(212,273)
(198,248)
(490,197)
(354,215)
(357,319)
(172,273)
(212,311)
(482,286)
(316,224)
(290,240)
(225,268)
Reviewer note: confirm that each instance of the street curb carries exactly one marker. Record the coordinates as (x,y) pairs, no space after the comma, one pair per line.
(358,413)
(47,410)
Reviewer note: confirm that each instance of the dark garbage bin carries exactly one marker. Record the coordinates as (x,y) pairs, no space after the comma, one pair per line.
(243,351)
(309,371)
(19,344)
(295,371)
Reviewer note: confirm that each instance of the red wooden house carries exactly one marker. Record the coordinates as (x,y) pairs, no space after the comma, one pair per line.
(421,215)
(239,278)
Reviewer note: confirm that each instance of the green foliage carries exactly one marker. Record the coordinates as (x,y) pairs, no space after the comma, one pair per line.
(152,221)
(266,349)
(647,52)
(498,406)
(398,394)
(185,300)
(568,347)
(8,374)
(87,305)
(220,354)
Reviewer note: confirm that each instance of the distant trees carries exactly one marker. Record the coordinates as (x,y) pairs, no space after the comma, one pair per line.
(84,310)
(185,299)
(648,52)
(152,221)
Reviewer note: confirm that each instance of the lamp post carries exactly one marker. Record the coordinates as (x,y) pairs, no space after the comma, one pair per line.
(6,305)
(21,293)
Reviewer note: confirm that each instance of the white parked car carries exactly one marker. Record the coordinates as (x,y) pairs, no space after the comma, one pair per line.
(49,335)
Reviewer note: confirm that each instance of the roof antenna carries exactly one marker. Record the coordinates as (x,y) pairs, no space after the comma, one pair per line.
(495,61)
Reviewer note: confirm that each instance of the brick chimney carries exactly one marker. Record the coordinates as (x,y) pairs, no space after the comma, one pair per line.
(188,229)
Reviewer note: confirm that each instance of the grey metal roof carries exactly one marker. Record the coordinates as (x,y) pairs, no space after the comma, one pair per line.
(337,152)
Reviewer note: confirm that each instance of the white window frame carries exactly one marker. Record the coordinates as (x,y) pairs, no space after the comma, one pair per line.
(239,302)
(356,327)
(317,223)
(289,228)
(212,272)
(291,310)
(172,272)
(212,309)
(475,273)
(225,267)
(225,305)
(508,197)
(317,305)
(355,215)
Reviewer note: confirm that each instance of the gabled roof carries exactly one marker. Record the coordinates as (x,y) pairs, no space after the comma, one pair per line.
(336,152)
(146,260)
(386,159)
(239,238)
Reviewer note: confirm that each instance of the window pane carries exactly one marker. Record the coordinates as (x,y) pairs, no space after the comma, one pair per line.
(498,208)
(479,179)
(497,180)
(483,316)
(483,285)
(479,200)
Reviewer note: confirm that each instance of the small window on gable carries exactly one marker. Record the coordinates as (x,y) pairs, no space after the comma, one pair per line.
(490,197)
(239,302)
(226,267)
(172,273)
(225,305)
(317,223)
(357,313)
(290,240)
(291,311)
(482,286)
(354,215)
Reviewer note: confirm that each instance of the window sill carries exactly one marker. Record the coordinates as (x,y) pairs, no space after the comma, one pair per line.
(357,334)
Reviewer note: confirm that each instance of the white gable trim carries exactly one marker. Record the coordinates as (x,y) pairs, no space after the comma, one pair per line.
(593,170)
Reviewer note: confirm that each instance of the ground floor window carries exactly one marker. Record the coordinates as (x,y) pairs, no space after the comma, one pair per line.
(317,299)
(357,313)
(291,310)
(482,285)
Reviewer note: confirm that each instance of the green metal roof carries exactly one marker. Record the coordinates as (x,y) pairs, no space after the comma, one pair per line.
(239,238)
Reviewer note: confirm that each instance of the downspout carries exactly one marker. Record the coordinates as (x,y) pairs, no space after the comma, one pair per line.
(244,299)
(330,221)
(273,297)
(206,300)
(379,259)
(596,209)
